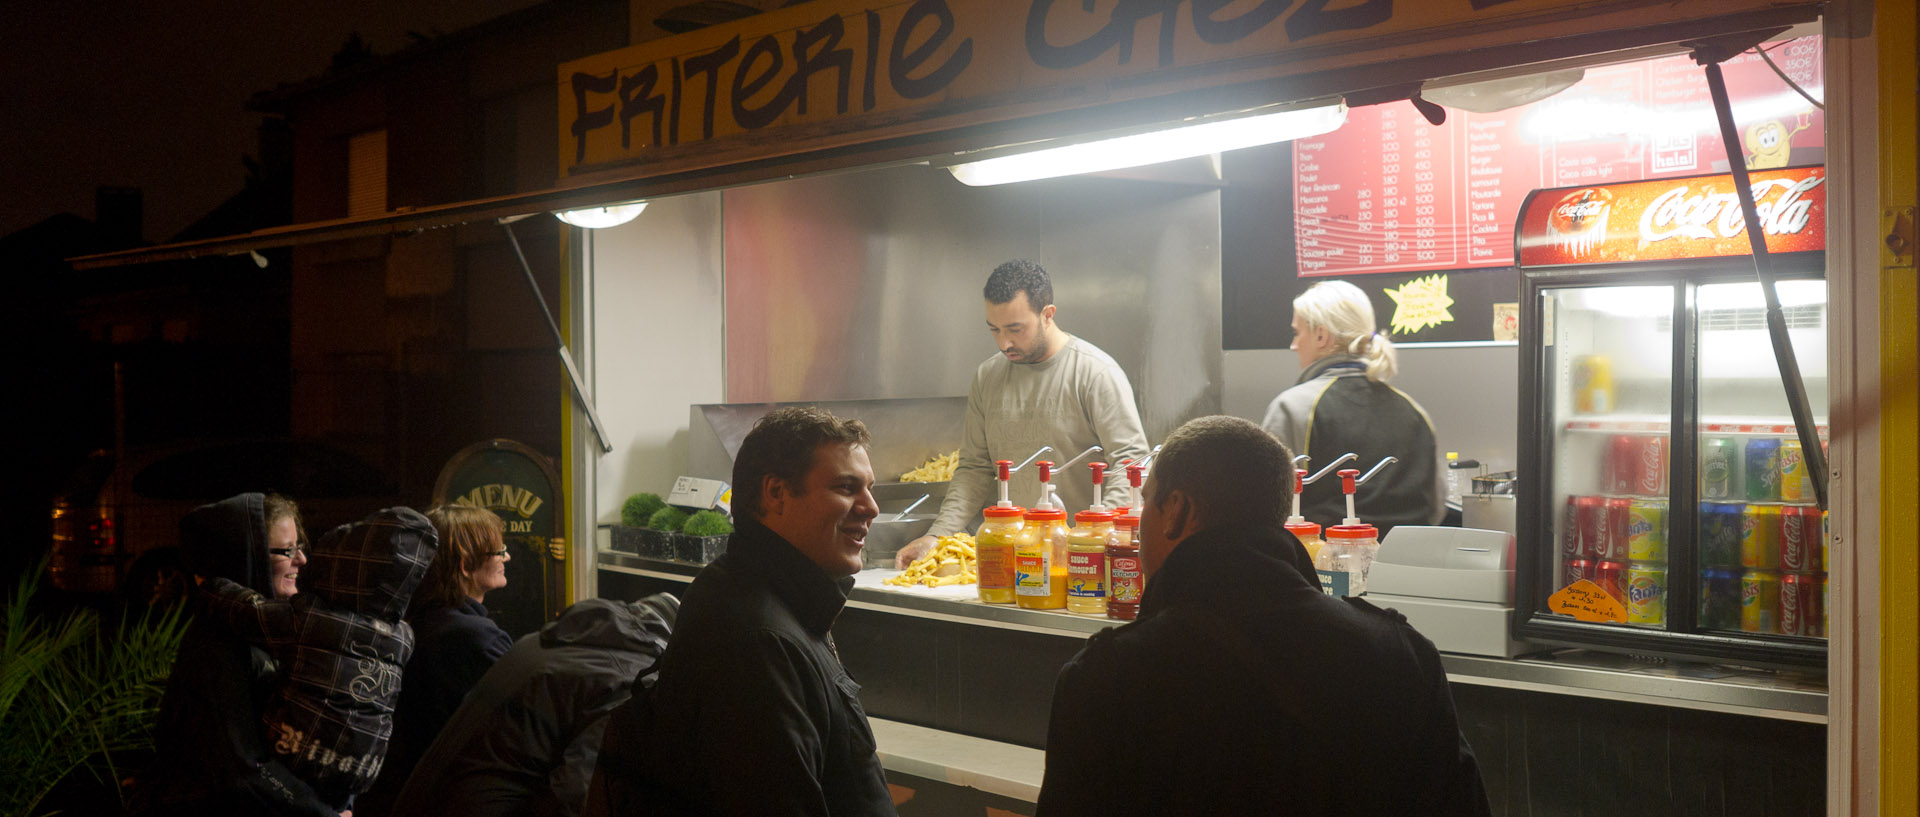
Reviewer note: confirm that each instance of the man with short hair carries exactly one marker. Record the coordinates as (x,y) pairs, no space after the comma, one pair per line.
(753,713)
(1242,689)
(1044,387)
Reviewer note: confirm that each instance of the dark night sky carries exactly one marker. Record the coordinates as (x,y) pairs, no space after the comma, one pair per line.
(151,94)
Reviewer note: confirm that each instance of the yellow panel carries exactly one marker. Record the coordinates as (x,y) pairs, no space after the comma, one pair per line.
(1898,33)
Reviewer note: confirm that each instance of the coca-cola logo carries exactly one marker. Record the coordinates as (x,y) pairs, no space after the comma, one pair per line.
(1682,213)
(1578,222)
(1643,589)
(1792,539)
(1653,465)
(1790,612)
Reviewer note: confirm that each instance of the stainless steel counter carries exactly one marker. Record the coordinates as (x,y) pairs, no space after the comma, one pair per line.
(1582,673)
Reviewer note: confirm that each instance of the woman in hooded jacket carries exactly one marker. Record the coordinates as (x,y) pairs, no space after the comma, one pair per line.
(211,752)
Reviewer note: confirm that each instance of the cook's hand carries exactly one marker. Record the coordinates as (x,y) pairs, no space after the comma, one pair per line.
(914,550)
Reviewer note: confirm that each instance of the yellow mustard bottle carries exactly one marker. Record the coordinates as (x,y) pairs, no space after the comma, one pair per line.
(1040,560)
(993,550)
(1087,562)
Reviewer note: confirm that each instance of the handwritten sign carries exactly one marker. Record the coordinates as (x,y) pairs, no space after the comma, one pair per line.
(1420,303)
(1506,321)
(820,71)
(1585,601)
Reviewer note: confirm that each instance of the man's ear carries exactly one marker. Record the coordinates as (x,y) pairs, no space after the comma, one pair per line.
(774,493)
(1179,518)
(1046,313)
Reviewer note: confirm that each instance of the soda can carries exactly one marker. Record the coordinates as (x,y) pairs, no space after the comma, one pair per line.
(1760,601)
(1647,593)
(1823,606)
(1647,530)
(1800,604)
(1794,486)
(1826,541)
(1617,466)
(1760,536)
(1799,527)
(1570,531)
(1720,599)
(1762,469)
(1592,524)
(1611,543)
(1612,577)
(1650,467)
(1574,570)
(1719,468)
(1720,534)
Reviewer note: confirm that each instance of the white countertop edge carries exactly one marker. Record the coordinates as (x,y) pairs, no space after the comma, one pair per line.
(999,768)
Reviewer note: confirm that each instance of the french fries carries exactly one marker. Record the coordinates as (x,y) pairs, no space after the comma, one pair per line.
(949,562)
(938,468)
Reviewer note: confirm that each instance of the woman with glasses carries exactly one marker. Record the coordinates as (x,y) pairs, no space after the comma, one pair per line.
(455,641)
(286,545)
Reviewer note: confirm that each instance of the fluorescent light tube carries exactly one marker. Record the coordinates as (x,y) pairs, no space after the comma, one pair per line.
(1179,142)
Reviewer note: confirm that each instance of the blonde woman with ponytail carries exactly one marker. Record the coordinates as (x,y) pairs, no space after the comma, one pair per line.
(1341,403)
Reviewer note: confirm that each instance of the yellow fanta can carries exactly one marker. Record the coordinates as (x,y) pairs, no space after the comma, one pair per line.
(1646,593)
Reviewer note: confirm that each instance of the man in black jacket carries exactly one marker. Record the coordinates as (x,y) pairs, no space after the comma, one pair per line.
(526,739)
(1242,689)
(753,713)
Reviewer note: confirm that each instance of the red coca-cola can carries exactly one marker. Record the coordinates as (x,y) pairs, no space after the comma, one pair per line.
(1800,599)
(1612,577)
(1619,466)
(1616,522)
(1799,539)
(1650,467)
(1590,525)
(1573,570)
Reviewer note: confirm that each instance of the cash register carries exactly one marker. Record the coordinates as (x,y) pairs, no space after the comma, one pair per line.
(1454,585)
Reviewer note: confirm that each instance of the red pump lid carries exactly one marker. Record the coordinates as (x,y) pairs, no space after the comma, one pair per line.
(1046,515)
(1046,470)
(1005,467)
(1303,529)
(1092,517)
(1353,532)
(1009,512)
(1125,522)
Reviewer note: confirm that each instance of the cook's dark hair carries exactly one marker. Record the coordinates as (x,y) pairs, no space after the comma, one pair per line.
(1017,276)
(1234,471)
(782,444)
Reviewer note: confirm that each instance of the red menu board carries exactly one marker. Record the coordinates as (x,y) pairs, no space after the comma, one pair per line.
(1390,193)
(1665,219)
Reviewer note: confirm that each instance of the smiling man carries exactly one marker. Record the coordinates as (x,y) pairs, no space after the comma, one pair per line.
(753,713)
(1044,387)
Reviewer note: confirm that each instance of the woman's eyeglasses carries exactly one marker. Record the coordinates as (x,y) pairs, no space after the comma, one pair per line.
(492,553)
(287,552)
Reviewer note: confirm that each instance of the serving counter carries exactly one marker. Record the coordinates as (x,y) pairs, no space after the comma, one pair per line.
(964,688)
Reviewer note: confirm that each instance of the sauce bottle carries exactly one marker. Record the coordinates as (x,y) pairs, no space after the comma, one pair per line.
(1125,580)
(1344,562)
(993,544)
(1040,560)
(1307,532)
(1087,553)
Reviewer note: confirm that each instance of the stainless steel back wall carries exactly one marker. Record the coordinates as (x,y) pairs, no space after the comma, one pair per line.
(867,285)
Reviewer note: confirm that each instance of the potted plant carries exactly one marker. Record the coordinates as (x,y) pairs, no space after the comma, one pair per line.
(703,538)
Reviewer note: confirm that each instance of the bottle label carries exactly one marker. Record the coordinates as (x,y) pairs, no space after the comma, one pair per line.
(1086,575)
(1125,580)
(1030,574)
(996,567)
(1335,582)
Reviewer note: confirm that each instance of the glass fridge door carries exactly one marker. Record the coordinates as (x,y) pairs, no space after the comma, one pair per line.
(1610,357)
(1762,540)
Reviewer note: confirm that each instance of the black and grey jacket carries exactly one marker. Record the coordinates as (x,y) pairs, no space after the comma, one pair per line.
(342,644)
(1333,409)
(753,713)
(527,737)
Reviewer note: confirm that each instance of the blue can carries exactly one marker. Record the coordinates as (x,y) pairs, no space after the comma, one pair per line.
(1720,599)
(1763,469)
(1720,532)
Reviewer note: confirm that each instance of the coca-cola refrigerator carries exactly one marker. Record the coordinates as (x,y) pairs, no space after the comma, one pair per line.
(1664,506)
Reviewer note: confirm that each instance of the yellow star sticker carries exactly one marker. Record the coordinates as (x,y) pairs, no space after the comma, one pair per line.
(1421,303)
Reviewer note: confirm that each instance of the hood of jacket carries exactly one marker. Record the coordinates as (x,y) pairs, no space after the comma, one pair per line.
(616,625)
(373,566)
(228,539)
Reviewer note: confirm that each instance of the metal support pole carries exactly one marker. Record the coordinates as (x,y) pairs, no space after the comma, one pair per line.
(560,344)
(1816,457)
